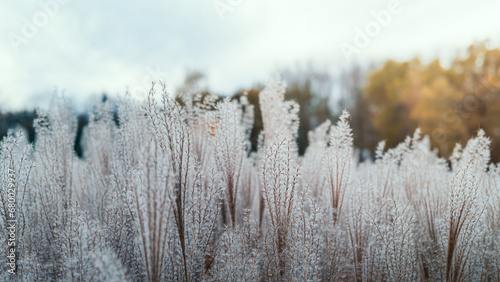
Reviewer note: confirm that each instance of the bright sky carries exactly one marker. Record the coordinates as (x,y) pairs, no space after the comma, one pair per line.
(85,48)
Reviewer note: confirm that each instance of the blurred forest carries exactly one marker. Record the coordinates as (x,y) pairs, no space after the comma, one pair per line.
(387,103)
(448,104)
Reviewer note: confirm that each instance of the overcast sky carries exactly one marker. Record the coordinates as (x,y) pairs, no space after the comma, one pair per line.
(85,48)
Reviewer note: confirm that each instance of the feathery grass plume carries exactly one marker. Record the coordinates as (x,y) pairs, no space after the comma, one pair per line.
(279,180)
(421,172)
(193,201)
(465,208)
(339,163)
(54,186)
(171,130)
(16,169)
(464,216)
(313,160)
(121,233)
(475,153)
(152,185)
(230,149)
(278,117)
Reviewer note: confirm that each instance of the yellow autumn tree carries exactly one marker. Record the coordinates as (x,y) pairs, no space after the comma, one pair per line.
(449,104)
(390,97)
(433,110)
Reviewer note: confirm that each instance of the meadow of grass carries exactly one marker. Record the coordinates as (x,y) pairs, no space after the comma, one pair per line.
(173,192)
